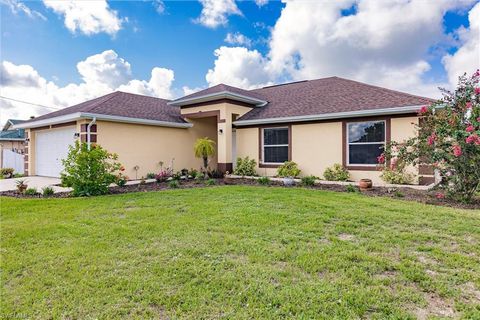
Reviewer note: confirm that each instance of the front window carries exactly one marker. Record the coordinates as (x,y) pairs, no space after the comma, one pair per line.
(275,145)
(366,141)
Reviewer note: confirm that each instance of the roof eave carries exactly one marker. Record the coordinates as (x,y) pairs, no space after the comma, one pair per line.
(105,117)
(331,116)
(219,95)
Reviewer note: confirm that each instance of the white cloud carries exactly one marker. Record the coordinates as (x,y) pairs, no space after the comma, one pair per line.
(467,57)
(159,6)
(214,12)
(387,43)
(101,73)
(187,90)
(17,6)
(239,67)
(261,3)
(88,17)
(238,39)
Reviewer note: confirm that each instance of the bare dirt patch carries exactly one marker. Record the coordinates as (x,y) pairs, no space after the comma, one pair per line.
(437,307)
(346,237)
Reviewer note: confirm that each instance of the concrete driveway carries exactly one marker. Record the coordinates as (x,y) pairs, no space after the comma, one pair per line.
(33,182)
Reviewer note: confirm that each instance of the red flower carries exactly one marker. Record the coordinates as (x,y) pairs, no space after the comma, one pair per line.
(477,90)
(122,168)
(423,110)
(470,128)
(440,195)
(470,139)
(431,139)
(468,105)
(381,158)
(457,151)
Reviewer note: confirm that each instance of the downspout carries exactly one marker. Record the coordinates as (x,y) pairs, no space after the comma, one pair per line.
(88,131)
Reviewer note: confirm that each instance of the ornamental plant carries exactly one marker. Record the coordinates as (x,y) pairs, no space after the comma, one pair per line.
(245,167)
(336,173)
(89,172)
(288,169)
(204,148)
(448,139)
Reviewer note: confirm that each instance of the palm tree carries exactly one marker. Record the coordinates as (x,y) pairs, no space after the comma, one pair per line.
(204,148)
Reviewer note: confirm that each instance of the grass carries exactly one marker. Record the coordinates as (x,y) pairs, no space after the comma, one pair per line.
(238,252)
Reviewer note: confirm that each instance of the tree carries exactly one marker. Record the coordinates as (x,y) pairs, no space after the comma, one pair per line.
(89,172)
(448,139)
(204,148)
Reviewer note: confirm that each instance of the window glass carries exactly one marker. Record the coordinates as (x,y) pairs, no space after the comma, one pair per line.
(366,141)
(275,145)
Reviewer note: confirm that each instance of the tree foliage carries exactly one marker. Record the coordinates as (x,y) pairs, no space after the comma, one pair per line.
(204,148)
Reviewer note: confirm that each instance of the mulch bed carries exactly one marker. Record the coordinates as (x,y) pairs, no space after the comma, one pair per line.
(404,193)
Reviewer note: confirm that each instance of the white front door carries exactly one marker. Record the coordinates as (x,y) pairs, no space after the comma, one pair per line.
(51,147)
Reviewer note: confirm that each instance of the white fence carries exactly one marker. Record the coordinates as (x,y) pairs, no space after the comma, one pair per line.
(13,160)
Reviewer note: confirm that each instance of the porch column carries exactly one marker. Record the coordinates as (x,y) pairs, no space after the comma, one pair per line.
(224,143)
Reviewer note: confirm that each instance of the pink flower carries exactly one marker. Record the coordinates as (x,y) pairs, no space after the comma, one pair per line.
(431,139)
(423,110)
(471,139)
(440,195)
(477,73)
(470,128)
(381,158)
(477,90)
(478,119)
(468,105)
(457,151)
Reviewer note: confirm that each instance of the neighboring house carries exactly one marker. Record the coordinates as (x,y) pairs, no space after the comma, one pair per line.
(12,145)
(315,123)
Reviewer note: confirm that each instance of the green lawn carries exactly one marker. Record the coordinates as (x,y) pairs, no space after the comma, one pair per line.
(238,252)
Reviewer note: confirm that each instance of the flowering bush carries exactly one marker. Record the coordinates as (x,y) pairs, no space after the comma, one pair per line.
(89,172)
(448,139)
(164,174)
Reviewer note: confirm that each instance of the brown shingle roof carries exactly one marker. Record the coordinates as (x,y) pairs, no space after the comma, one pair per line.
(328,95)
(221,88)
(124,105)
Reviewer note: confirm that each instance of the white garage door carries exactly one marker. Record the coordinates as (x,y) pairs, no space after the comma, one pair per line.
(50,148)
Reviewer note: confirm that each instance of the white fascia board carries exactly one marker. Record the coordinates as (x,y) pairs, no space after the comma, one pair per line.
(49,121)
(85,115)
(219,95)
(331,116)
(12,139)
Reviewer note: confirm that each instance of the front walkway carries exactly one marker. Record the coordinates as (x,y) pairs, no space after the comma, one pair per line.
(33,182)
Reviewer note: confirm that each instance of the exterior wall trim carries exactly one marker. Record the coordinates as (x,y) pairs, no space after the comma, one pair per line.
(204,114)
(219,95)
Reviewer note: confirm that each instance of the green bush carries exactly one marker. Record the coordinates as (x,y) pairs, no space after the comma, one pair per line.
(47,191)
(336,173)
(18,175)
(150,175)
(211,182)
(173,184)
(288,169)
(245,167)
(31,192)
(89,172)
(309,181)
(351,188)
(265,181)
(121,180)
(396,176)
(6,172)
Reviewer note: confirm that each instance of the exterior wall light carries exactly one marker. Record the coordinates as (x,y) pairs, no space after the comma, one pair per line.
(220,131)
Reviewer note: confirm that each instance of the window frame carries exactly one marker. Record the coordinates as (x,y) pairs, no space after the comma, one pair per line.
(346,144)
(262,163)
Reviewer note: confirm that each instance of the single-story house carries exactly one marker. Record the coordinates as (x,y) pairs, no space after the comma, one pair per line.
(315,123)
(12,140)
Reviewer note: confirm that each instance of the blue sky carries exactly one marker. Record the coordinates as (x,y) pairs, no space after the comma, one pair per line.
(411,46)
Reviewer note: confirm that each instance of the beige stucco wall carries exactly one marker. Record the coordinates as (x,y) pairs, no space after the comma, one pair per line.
(145,146)
(317,146)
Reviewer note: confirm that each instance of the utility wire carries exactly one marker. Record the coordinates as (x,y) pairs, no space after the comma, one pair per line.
(33,104)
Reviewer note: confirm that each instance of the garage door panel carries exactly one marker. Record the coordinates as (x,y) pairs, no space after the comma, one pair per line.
(50,148)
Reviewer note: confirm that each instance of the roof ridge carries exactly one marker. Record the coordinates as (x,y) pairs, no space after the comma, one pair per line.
(137,94)
(99,101)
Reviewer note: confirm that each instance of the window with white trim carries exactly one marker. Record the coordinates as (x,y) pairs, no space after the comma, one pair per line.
(275,145)
(365,142)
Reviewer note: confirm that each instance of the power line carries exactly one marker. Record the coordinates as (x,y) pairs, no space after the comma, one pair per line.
(33,104)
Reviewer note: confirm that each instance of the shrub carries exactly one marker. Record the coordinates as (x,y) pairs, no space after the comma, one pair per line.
(31,192)
(18,175)
(47,191)
(21,185)
(448,139)
(150,175)
(395,176)
(211,182)
(193,173)
(173,184)
(265,181)
(7,172)
(351,188)
(309,181)
(89,172)
(336,173)
(288,169)
(121,180)
(164,174)
(245,167)
(177,175)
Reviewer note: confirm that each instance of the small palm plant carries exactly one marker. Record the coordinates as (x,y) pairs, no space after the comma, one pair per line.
(204,148)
